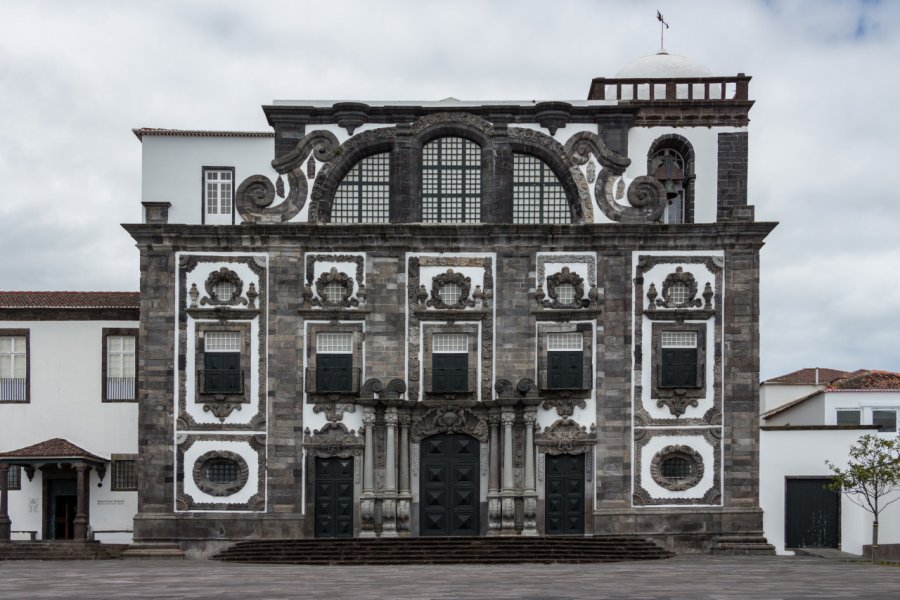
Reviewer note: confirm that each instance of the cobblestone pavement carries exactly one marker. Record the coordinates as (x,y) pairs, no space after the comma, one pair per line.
(688,577)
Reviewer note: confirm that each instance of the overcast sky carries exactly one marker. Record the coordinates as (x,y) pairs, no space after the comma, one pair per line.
(76,77)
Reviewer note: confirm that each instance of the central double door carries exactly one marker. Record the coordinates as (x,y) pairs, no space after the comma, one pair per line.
(449,480)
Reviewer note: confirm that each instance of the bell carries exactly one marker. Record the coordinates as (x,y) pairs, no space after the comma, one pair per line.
(671,192)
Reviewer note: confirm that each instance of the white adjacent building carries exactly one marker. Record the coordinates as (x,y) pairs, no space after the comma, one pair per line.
(68,402)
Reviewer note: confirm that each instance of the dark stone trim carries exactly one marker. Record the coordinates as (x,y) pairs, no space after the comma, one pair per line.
(678,399)
(70,314)
(201,477)
(677,451)
(203,171)
(732,173)
(115,331)
(26,333)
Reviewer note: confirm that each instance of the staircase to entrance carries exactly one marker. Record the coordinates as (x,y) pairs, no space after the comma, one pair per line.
(444,550)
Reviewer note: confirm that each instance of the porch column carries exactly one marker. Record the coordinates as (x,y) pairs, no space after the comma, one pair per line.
(5,523)
(530,491)
(508,502)
(494,475)
(367,502)
(81,519)
(404,497)
(389,505)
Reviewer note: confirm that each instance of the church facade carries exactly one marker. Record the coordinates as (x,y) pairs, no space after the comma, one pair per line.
(455,319)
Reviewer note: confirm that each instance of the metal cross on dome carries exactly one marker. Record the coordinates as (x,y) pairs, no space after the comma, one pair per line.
(662,28)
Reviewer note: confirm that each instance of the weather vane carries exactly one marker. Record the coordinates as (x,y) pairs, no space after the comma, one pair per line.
(662,28)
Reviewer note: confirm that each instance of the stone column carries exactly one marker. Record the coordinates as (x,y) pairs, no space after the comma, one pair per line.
(389,504)
(5,523)
(508,493)
(367,501)
(81,519)
(404,498)
(530,527)
(494,475)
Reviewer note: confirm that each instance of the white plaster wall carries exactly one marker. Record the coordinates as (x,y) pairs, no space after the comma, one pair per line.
(803,453)
(773,395)
(172,168)
(866,402)
(66,402)
(706,151)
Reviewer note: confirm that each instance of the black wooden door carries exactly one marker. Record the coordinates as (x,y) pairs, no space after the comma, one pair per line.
(812,514)
(62,500)
(449,497)
(565,370)
(334,497)
(564,494)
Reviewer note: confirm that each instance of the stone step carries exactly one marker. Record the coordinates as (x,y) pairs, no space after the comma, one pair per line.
(144,550)
(732,545)
(60,550)
(443,550)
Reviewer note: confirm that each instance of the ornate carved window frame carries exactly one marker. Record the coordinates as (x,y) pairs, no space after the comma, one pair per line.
(565,276)
(201,478)
(473,339)
(357,330)
(346,269)
(586,329)
(677,400)
(450,277)
(340,278)
(221,405)
(682,277)
(677,451)
(224,274)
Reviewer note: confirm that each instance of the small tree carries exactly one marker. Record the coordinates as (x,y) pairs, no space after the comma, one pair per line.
(872,473)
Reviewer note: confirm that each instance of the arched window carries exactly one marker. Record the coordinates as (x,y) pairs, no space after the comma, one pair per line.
(451,181)
(538,195)
(364,194)
(668,166)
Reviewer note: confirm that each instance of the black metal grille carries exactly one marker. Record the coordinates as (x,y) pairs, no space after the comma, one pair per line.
(451,181)
(222,471)
(676,467)
(124,474)
(14,478)
(364,194)
(538,196)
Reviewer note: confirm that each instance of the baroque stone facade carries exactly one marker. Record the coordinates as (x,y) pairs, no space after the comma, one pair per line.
(375,355)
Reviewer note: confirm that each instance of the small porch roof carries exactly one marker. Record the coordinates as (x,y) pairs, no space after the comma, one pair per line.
(56,450)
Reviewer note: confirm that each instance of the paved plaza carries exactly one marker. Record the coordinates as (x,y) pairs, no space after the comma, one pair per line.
(688,577)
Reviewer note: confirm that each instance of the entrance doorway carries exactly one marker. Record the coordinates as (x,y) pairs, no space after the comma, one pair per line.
(812,516)
(449,485)
(62,502)
(334,497)
(564,494)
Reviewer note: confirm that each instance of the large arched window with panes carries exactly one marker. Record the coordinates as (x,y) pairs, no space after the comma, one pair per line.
(538,195)
(363,196)
(668,167)
(451,181)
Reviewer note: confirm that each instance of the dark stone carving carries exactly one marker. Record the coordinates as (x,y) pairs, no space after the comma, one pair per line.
(456,118)
(221,409)
(312,258)
(449,419)
(437,284)
(565,276)
(350,115)
(503,387)
(678,401)
(310,171)
(566,436)
(526,386)
(580,146)
(683,278)
(684,452)
(256,194)
(710,496)
(395,388)
(334,411)
(333,440)
(565,407)
(341,278)
(588,259)
(201,478)
(552,115)
(223,275)
(371,387)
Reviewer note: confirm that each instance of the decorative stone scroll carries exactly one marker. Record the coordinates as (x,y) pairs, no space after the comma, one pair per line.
(256,194)
(449,419)
(566,436)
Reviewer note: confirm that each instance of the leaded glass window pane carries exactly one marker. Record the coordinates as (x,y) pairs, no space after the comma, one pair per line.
(676,467)
(538,195)
(565,293)
(334,343)
(450,294)
(450,342)
(222,471)
(223,341)
(334,292)
(363,196)
(678,293)
(451,181)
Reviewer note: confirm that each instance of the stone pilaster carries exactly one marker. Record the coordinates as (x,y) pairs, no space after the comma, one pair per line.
(367,502)
(404,498)
(389,504)
(81,519)
(508,493)
(530,496)
(494,475)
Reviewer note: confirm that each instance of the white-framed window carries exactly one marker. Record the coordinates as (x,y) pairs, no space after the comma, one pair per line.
(222,341)
(218,193)
(334,343)
(121,359)
(13,367)
(563,342)
(885,419)
(450,343)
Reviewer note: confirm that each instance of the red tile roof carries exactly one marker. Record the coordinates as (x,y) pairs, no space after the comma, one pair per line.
(70,300)
(142,131)
(55,448)
(808,376)
(866,381)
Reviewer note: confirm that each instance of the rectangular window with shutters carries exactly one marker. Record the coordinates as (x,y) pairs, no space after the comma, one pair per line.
(334,363)
(14,370)
(222,373)
(565,361)
(450,363)
(119,365)
(678,360)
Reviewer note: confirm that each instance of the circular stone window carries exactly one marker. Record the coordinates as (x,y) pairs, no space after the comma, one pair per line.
(565,294)
(450,294)
(677,468)
(220,473)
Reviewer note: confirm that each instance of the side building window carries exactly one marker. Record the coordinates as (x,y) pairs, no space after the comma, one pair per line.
(451,181)
(450,363)
(14,478)
(363,196)
(124,472)
(14,371)
(218,195)
(222,373)
(538,195)
(119,364)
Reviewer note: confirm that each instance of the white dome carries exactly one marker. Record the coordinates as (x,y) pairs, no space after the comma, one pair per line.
(663,65)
